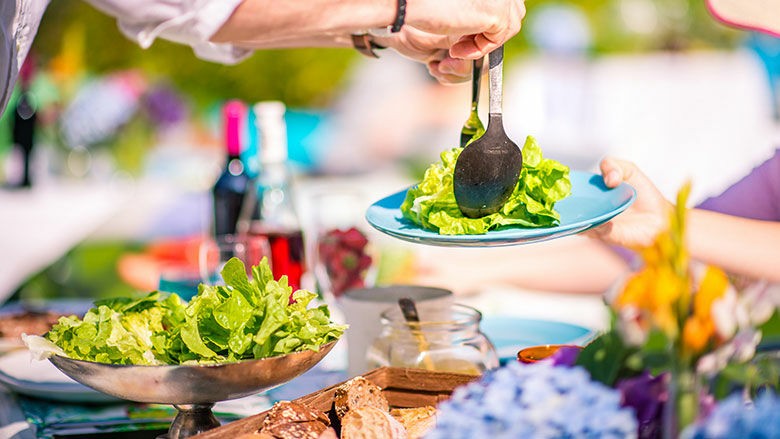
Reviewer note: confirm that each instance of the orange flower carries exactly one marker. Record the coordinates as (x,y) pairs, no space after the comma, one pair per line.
(713,286)
(696,333)
(654,291)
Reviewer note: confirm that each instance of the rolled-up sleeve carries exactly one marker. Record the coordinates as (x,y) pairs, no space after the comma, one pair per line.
(190,22)
(19,22)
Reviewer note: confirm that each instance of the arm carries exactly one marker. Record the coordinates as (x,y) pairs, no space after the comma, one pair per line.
(739,245)
(479,26)
(427,48)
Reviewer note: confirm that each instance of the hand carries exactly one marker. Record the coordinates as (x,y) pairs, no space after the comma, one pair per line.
(639,224)
(429,49)
(482,25)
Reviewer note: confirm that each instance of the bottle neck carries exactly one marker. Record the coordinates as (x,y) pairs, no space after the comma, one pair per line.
(234,165)
(275,206)
(274,174)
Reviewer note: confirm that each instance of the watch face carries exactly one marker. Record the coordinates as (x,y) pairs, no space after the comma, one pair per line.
(758,15)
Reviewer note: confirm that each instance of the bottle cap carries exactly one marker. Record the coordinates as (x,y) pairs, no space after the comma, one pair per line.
(233,114)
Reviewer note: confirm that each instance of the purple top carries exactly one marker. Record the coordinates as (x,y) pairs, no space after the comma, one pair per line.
(755,196)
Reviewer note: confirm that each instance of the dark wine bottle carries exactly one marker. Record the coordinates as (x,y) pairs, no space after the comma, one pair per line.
(25,117)
(231,186)
(272,209)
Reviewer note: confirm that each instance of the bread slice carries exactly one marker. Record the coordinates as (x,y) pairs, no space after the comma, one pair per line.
(291,420)
(255,435)
(356,393)
(296,430)
(417,421)
(289,411)
(371,423)
(329,433)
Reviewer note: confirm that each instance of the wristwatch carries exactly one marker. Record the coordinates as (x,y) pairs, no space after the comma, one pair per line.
(364,43)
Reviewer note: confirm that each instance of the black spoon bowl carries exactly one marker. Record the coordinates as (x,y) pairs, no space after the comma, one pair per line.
(488,169)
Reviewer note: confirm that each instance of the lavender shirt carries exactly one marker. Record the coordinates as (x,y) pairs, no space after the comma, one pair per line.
(756,196)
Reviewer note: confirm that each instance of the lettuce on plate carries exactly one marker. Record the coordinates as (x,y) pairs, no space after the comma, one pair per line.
(543,182)
(247,318)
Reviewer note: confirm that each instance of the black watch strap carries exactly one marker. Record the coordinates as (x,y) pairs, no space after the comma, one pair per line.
(400,16)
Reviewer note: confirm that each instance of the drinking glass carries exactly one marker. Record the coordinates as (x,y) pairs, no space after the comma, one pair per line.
(215,252)
(340,254)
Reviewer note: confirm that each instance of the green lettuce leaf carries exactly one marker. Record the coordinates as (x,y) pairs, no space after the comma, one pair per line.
(543,182)
(245,318)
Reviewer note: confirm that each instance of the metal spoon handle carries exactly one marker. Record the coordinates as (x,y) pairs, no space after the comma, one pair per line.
(476,75)
(496,73)
(473,125)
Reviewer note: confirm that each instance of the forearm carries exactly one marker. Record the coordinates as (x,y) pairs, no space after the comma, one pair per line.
(303,21)
(286,42)
(738,245)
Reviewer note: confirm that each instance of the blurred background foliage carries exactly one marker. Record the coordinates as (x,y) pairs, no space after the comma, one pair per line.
(301,77)
(311,77)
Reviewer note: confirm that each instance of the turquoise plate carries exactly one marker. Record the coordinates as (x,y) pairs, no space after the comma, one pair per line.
(590,204)
(510,334)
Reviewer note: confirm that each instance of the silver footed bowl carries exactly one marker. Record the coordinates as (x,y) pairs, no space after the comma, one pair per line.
(190,384)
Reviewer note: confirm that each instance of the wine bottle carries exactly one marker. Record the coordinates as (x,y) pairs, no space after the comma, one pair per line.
(25,117)
(231,186)
(272,210)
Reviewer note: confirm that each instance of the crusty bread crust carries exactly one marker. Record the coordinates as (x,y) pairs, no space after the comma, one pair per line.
(290,420)
(356,393)
(417,421)
(371,423)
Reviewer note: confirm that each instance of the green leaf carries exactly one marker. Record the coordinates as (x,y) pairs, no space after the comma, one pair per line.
(190,335)
(770,330)
(543,182)
(246,318)
(603,358)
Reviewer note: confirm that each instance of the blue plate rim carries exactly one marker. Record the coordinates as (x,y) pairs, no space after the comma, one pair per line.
(506,236)
(510,351)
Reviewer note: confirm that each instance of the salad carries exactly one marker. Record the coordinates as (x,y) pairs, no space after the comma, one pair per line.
(247,318)
(543,182)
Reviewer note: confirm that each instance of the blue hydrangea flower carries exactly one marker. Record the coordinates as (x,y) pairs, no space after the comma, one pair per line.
(735,418)
(535,400)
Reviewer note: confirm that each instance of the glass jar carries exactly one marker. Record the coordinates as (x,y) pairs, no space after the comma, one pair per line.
(444,340)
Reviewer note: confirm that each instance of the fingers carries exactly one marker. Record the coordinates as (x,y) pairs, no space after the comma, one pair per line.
(450,71)
(615,171)
(456,70)
(472,47)
(599,232)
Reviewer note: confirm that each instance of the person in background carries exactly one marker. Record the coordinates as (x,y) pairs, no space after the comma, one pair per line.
(738,230)
(443,34)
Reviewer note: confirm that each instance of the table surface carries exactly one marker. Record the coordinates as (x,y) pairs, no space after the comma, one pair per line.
(584,310)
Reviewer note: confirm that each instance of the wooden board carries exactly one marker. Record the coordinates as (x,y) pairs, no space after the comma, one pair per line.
(402,388)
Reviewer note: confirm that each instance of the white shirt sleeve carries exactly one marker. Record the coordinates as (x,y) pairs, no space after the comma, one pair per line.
(190,22)
(19,22)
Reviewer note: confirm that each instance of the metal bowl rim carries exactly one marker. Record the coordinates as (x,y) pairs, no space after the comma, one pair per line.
(189,366)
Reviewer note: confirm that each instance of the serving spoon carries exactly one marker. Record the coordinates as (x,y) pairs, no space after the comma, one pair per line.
(488,168)
(473,124)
